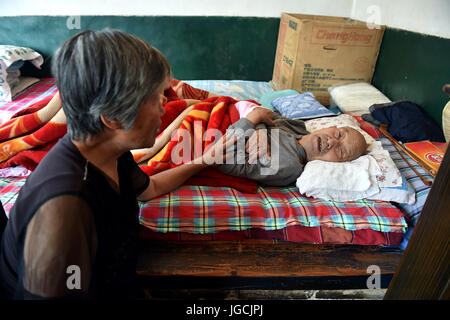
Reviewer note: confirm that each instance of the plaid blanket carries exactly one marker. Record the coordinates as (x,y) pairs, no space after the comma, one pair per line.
(37,92)
(9,190)
(202,209)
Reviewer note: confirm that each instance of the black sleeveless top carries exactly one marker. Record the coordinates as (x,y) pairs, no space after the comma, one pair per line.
(64,171)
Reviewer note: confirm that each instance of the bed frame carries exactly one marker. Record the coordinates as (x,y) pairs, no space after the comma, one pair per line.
(210,269)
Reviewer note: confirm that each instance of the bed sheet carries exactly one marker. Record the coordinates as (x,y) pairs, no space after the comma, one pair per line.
(38,91)
(237,89)
(340,228)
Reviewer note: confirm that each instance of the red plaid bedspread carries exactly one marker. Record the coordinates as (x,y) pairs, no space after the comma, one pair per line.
(40,90)
(202,209)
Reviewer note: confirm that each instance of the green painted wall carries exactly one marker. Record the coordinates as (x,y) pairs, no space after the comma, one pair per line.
(414,67)
(410,65)
(197,47)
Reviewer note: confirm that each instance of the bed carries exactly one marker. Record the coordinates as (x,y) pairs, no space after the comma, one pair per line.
(275,238)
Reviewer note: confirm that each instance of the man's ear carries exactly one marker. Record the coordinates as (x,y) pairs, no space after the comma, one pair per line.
(111,124)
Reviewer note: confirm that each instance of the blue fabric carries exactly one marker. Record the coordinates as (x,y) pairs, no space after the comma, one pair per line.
(407,122)
(16,65)
(301,106)
(267,98)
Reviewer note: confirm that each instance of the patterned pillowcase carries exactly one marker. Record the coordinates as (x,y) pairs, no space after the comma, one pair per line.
(267,98)
(11,59)
(301,106)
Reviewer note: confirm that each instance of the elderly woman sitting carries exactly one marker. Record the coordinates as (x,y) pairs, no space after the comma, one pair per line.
(73,229)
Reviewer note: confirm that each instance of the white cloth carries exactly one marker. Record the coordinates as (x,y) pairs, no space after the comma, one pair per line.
(18,171)
(356,97)
(340,181)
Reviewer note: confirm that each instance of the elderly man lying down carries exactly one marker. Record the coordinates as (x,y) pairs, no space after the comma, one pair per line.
(291,147)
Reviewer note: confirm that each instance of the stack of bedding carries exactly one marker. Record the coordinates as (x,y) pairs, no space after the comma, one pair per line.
(218,212)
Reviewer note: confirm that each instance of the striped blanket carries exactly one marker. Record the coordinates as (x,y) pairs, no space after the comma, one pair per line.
(214,114)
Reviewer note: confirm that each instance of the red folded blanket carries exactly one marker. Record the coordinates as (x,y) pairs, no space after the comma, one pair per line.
(25,139)
(188,142)
(216,113)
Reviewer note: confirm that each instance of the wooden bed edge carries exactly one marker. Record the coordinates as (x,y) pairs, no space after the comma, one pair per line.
(263,259)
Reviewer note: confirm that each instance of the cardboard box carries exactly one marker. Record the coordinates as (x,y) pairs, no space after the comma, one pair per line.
(316,52)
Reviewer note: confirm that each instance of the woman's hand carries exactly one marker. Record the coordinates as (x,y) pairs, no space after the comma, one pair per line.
(168,180)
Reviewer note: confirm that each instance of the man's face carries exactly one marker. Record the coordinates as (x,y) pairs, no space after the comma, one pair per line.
(334,144)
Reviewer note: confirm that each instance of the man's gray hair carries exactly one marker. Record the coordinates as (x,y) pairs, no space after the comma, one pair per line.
(109,73)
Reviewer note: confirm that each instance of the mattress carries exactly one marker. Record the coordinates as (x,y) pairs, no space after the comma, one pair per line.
(220,213)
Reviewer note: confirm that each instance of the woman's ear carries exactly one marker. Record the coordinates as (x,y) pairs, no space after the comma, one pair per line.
(111,124)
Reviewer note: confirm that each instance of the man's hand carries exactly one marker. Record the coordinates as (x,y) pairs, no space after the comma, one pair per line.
(217,153)
(261,115)
(257,146)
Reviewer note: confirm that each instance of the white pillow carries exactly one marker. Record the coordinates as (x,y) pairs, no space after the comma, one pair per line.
(340,181)
(356,97)
(10,56)
(389,177)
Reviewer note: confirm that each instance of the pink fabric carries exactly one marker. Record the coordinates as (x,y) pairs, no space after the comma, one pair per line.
(245,107)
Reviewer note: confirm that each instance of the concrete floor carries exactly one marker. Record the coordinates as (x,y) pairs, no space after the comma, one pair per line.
(210,294)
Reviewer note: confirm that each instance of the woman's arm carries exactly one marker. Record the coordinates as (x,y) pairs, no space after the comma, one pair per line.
(60,235)
(166,181)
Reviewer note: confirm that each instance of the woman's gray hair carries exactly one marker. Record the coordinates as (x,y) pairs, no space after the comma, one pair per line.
(109,73)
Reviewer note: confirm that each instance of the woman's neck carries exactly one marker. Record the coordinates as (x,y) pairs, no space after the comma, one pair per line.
(102,152)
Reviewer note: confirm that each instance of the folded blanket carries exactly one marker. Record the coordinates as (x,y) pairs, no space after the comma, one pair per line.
(188,142)
(215,114)
(29,159)
(214,178)
(44,123)
(346,181)
(27,137)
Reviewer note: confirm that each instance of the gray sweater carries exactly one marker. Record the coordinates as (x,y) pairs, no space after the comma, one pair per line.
(287,160)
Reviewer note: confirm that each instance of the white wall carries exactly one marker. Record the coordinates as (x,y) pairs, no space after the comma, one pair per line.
(424,16)
(429,17)
(258,8)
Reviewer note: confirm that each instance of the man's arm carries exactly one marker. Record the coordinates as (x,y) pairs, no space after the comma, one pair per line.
(261,115)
